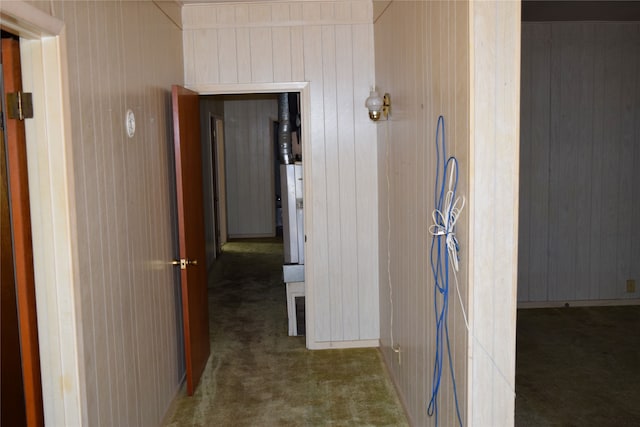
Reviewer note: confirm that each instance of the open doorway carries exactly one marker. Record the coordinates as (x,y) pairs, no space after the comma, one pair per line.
(248,176)
(213,176)
(248,159)
(578,254)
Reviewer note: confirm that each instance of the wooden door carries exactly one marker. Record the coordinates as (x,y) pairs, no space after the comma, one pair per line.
(22,251)
(12,393)
(195,313)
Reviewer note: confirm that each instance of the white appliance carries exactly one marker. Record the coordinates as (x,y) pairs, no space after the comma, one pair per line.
(293,236)
(292,213)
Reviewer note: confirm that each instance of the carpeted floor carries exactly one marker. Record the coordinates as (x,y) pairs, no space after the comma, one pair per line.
(578,367)
(259,376)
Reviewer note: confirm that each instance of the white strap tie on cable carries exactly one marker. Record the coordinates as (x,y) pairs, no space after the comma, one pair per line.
(444,222)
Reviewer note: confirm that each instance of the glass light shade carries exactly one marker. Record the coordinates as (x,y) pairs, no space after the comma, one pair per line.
(374,102)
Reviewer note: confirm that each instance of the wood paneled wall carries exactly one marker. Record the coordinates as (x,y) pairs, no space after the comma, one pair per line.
(579,194)
(493,211)
(422,61)
(249,163)
(459,60)
(330,45)
(122,55)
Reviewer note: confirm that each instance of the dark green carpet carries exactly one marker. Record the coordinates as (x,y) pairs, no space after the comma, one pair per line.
(259,376)
(578,367)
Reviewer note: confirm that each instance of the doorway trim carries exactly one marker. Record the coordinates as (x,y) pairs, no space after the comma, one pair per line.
(216,141)
(44,61)
(222,183)
(212,135)
(305,103)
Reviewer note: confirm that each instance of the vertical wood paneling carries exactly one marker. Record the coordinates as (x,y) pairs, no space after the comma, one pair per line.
(311,11)
(493,210)
(320,42)
(297,54)
(598,153)
(295,11)
(260,13)
(635,232)
(332,176)
(627,178)
(562,210)
(203,15)
(346,163)
(281,54)
(249,166)
(261,55)
(583,148)
(227,58)
(423,155)
(366,174)
(242,14)
(105,15)
(538,130)
(343,10)
(281,11)
(205,43)
(269,112)
(123,194)
(611,134)
(132,74)
(422,60)
(327,11)
(188,50)
(98,393)
(313,72)
(226,13)
(585,157)
(243,53)
(463,67)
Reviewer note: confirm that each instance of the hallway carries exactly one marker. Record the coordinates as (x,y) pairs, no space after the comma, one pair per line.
(258,375)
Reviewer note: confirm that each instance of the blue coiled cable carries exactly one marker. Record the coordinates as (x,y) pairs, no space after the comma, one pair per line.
(440,268)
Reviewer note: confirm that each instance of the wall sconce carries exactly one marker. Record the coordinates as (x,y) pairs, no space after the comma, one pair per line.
(378,106)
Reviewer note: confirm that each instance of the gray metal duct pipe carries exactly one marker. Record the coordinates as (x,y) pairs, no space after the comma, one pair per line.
(284,130)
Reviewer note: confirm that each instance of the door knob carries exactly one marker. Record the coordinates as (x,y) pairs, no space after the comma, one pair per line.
(184,262)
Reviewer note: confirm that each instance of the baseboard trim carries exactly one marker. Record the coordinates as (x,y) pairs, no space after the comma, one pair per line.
(579,303)
(325,345)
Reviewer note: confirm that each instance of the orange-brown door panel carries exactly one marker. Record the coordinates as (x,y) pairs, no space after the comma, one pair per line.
(195,312)
(22,248)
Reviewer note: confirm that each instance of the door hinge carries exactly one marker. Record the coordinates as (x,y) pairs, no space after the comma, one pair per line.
(19,105)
